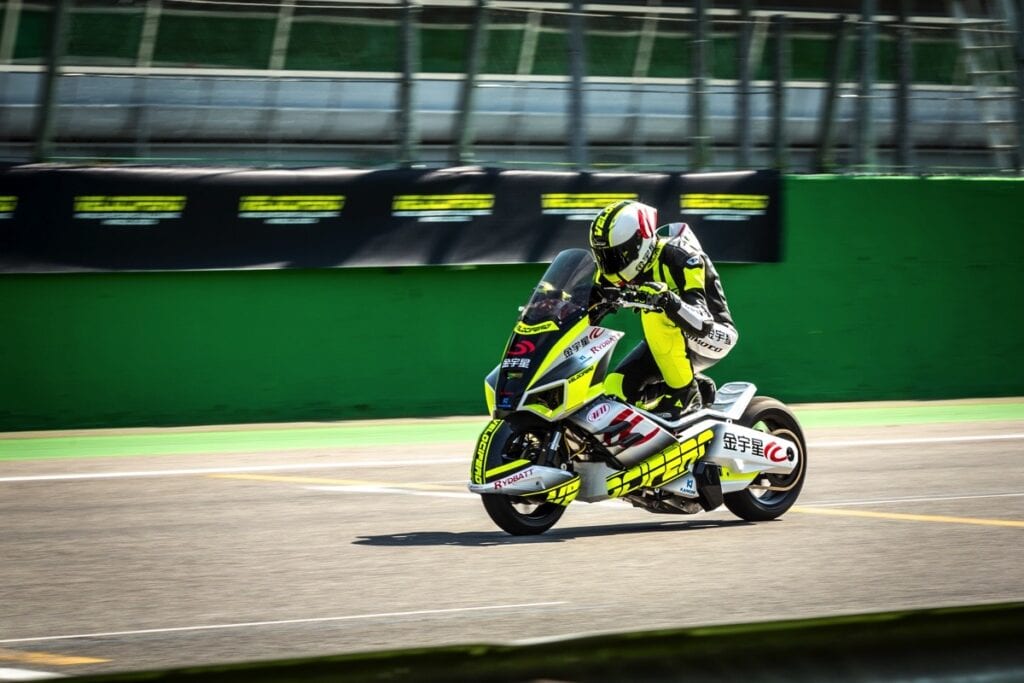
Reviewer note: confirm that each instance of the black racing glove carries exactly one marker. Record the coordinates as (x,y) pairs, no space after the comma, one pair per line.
(694,319)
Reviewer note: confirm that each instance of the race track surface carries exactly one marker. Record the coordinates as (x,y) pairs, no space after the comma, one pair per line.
(221,546)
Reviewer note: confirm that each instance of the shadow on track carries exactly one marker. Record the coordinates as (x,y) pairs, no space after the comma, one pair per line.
(490,538)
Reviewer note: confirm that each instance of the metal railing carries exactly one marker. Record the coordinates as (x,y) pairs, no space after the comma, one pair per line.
(563,84)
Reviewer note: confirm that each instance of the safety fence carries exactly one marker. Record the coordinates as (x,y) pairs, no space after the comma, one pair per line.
(632,85)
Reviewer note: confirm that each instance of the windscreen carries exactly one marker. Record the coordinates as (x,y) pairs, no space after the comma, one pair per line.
(563,294)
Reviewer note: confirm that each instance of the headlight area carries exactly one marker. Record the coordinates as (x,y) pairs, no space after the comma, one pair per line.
(546,401)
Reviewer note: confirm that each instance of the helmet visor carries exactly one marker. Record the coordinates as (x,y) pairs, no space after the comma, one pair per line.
(616,259)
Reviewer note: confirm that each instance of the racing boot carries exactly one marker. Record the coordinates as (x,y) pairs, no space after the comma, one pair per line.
(707,389)
(680,401)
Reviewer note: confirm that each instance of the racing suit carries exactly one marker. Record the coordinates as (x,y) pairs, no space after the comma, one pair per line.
(693,333)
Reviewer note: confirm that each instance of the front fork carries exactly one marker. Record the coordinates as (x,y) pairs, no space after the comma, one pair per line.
(551,448)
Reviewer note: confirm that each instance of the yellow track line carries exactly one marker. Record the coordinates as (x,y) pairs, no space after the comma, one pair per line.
(909,518)
(809,510)
(45,658)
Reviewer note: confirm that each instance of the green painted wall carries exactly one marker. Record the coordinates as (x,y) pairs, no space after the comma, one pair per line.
(890,288)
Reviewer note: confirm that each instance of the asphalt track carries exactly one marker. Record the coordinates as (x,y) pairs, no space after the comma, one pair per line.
(146,549)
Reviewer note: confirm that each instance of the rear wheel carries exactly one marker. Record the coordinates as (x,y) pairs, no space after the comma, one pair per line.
(771,494)
(521,516)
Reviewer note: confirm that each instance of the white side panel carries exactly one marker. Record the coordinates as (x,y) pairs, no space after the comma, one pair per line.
(530,480)
(591,345)
(747,450)
(593,481)
(685,486)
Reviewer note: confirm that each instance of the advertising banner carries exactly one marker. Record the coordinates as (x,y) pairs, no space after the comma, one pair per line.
(59,219)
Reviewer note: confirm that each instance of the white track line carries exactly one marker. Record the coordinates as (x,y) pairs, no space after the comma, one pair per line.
(909,441)
(283,622)
(26,675)
(392,489)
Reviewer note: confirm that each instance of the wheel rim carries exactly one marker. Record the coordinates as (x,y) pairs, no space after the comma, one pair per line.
(763,495)
(530,508)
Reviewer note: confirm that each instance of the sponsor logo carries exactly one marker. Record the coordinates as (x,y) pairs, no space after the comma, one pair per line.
(602,345)
(774,452)
(483,445)
(442,208)
(579,206)
(566,493)
(290,209)
(702,342)
(746,444)
(522,348)
(581,343)
(600,232)
(616,434)
(648,255)
(512,479)
(715,335)
(661,467)
(580,375)
(128,209)
(521,363)
(599,411)
(8,203)
(523,328)
(725,207)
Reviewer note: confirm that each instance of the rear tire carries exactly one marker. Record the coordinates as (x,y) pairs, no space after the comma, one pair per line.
(771,416)
(521,516)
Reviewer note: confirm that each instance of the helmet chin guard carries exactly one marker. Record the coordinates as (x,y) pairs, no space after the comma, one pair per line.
(623,240)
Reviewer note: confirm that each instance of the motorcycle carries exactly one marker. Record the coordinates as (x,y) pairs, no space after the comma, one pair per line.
(556,437)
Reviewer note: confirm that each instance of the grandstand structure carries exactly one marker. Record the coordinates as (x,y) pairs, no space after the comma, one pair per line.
(879,86)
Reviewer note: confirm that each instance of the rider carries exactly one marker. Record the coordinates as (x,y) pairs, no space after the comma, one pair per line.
(668,265)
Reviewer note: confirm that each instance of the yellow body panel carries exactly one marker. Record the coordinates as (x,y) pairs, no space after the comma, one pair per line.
(662,467)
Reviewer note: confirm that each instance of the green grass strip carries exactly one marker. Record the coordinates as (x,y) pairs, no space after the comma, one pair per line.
(905,414)
(412,432)
(240,440)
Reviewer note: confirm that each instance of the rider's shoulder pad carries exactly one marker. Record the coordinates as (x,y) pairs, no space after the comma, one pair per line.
(677,254)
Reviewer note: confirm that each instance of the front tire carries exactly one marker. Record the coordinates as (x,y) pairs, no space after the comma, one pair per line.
(759,505)
(521,516)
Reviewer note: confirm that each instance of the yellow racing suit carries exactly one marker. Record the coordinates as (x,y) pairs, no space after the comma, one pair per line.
(695,330)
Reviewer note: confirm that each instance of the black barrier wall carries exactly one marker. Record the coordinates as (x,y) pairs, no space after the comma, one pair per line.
(56,219)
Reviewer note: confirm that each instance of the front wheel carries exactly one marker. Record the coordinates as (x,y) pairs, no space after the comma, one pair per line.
(771,494)
(521,516)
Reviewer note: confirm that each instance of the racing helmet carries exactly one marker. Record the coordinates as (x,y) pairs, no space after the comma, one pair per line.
(623,241)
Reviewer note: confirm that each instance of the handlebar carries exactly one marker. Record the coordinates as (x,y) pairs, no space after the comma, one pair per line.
(630,297)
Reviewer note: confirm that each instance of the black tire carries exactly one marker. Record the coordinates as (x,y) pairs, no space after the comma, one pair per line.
(521,516)
(771,416)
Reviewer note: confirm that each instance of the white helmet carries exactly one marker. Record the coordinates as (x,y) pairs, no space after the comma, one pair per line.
(623,241)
